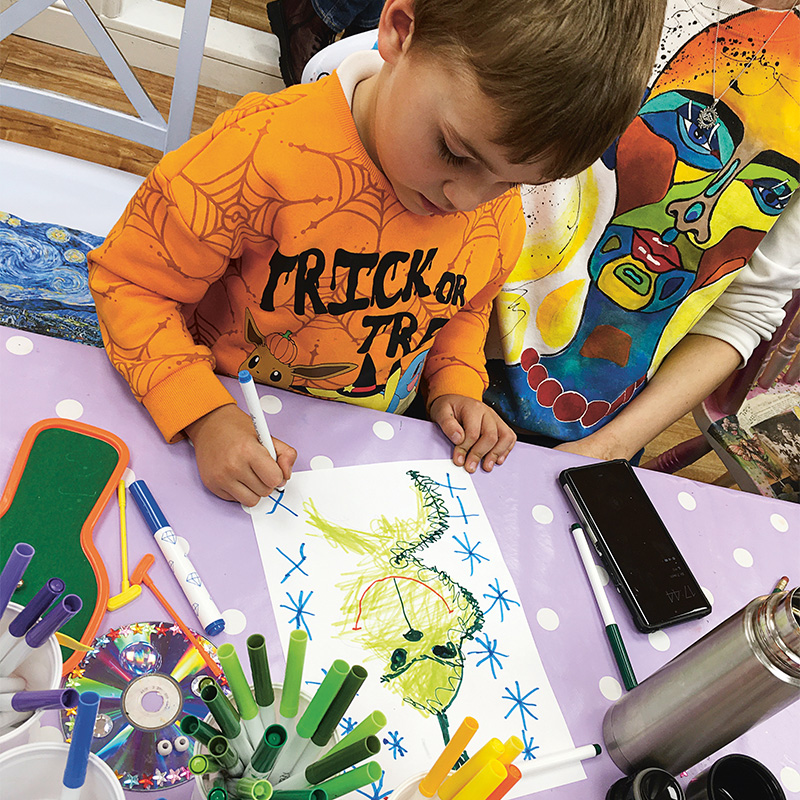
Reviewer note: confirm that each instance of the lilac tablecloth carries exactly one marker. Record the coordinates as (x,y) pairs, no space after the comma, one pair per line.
(737,544)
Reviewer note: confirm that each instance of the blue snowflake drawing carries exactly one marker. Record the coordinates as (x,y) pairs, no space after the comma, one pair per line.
(470,552)
(393,743)
(277,502)
(449,486)
(518,703)
(462,515)
(489,652)
(298,607)
(528,747)
(377,792)
(498,596)
(295,564)
(346,725)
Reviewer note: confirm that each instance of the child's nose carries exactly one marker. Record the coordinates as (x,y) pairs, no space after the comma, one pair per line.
(467,194)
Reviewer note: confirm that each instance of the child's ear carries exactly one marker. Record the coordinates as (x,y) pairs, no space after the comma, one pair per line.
(395,29)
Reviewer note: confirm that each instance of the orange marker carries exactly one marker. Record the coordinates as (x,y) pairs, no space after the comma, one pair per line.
(493,749)
(491,775)
(451,753)
(511,778)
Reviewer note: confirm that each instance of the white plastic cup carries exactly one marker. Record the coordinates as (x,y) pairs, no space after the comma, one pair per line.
(409,788)
(41,670)
(35,772)
(205,782)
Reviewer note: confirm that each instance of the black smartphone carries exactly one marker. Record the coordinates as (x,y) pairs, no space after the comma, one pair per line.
(634,544)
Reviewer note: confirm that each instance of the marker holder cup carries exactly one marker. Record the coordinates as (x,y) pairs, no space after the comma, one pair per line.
(41,670)
(409,788)
(38,768)
(206,782)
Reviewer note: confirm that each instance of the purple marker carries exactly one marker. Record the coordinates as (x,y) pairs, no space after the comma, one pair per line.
(29,615)
(69,606)
(34,700)
(13,571)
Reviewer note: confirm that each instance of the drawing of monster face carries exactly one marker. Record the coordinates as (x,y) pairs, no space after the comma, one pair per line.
(709,194)
(420,644)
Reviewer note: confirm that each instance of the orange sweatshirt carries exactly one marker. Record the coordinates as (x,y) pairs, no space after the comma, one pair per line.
(272,243)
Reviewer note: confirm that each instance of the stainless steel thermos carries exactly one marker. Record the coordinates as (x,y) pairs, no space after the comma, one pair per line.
(740,673)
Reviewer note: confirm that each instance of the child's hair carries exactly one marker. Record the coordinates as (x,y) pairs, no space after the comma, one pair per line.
(567,76)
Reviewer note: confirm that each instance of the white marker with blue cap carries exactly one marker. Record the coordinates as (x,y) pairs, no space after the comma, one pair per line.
(256,412)
(182,568)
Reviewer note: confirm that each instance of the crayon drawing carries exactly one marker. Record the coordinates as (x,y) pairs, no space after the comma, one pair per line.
(394,566)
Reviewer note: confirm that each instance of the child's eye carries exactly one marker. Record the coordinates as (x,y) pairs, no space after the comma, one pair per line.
(446,154)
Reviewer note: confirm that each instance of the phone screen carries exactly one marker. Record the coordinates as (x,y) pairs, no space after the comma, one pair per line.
(635,541)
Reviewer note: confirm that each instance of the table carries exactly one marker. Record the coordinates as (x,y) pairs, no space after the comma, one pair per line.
(738,544)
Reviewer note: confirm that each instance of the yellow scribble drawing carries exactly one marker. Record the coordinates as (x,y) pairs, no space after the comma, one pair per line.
(411,616)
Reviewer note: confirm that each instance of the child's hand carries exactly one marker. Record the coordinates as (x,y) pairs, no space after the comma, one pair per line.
(232,463)
(475,429)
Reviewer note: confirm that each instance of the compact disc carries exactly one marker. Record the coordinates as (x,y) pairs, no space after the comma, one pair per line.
(146,675)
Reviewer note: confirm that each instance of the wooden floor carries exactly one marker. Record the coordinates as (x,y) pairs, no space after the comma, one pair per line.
(32,63)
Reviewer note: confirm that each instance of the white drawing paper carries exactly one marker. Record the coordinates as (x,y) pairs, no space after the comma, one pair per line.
(395,567)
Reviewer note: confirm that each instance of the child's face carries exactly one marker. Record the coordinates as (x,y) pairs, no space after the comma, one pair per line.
(431,132)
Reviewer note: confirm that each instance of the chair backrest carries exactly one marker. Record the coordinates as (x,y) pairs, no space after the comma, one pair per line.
(329,58)
(148,126)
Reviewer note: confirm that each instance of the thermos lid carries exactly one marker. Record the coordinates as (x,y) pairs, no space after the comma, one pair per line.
(647,784)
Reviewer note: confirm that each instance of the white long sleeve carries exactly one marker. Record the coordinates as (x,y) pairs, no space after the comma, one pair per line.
(751,308)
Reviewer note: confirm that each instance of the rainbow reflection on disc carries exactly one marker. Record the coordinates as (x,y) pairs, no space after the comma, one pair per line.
(147,677)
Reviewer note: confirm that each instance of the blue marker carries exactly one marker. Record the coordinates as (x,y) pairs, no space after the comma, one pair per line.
(80,746)
(182,568)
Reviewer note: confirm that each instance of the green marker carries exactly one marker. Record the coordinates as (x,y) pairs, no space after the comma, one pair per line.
(312,793)
(218,790)
(228,759)
(309,721)
(197,729)
(250,788)
(367,727)
(200,765)
(266,753)
(290,695)
(612,630)
(352,779)
(330,765)
(332,717)
(248,710)
(262,681)
(228,719)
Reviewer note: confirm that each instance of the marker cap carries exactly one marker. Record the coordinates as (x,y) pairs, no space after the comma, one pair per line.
(153,515)
(45,698)
(49,624)
(37,605)
(13,571)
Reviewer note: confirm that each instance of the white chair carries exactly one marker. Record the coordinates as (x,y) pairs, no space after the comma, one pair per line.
(326,61)
(42,186)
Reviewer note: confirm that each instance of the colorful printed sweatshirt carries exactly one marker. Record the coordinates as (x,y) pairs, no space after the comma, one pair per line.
(272,243)
(659,238)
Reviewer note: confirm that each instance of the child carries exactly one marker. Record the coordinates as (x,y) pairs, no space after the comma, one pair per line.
(323,237)
(618,323)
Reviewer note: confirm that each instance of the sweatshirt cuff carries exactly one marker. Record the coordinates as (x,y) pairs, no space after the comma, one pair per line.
(456,379)
(184,397)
